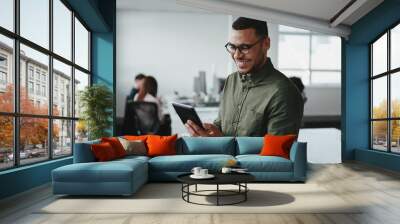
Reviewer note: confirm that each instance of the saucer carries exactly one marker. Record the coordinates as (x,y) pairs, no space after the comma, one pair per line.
(208,176)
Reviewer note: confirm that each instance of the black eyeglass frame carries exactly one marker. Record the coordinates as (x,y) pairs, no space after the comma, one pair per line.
(242,47)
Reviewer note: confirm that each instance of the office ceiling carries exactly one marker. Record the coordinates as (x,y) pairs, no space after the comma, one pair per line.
(326,16)
(156,5)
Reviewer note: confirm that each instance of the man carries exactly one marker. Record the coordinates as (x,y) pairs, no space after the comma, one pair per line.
(257,99)
(139,78)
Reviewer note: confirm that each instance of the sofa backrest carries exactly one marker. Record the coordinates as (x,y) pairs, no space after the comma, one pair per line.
(192,146)
(83,152)
(249,145)
(206,145)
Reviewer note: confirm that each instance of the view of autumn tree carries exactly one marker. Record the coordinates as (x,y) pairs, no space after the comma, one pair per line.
(380,128)
(33,131)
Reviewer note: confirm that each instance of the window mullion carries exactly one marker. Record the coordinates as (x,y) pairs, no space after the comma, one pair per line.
(50,81)
(16,84)
(389,101)
(73,81)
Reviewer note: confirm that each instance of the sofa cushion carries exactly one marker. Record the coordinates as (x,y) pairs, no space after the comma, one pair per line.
(249,145)
(111,171)
(135,147)
(277,145)
(185,163)
(257,163)
(161,145)
(206,145)
(116,145)
(103,152)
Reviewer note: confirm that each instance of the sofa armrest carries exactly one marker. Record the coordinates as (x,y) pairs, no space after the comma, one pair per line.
(83,152)
(298,155)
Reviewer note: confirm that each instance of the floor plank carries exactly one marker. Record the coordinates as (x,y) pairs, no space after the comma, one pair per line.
(376,189)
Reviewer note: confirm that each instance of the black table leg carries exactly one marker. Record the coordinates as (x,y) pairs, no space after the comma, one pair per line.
(217,194)
(245,193)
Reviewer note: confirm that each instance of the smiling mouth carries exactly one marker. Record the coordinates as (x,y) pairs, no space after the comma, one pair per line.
(241,63)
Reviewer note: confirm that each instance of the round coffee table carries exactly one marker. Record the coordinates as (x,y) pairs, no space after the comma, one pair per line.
(238,179)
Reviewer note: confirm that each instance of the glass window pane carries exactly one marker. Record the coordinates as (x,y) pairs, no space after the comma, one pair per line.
(395,135)
(81,81)
(379,55)
(62,29)
(81,131)
(62,138)
(6,74)
(395,95)
(6,142)
(33,139)
(379,135)
(303,74)
(62,89)
(35,21)
(81,45)
(290,29)
(325,52)
(293,51)
(395,47)
(379,97)
(34,72)
(319,77)
(7,14)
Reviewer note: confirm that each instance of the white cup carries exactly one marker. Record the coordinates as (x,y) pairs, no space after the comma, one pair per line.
(203,172)
(226,170)
(196,171)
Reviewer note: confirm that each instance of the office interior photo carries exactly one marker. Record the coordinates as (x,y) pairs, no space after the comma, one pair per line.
(199,111)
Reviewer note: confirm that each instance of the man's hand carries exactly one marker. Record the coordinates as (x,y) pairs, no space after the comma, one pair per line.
(210,130)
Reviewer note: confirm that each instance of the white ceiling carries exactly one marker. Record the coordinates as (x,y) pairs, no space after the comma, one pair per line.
(307,14)
(321,9)
(156,6)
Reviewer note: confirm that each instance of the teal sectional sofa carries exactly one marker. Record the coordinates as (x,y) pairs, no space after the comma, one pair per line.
(125,176)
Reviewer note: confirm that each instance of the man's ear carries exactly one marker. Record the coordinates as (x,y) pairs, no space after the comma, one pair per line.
(266,43)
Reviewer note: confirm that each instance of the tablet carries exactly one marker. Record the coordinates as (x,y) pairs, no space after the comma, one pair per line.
(186,112)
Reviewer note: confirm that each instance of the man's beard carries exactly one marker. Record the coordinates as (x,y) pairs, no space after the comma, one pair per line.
(254,68)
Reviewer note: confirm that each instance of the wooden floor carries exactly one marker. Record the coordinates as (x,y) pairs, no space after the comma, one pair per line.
(377,188)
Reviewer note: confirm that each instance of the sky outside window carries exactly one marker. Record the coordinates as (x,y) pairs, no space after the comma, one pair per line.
(7,14)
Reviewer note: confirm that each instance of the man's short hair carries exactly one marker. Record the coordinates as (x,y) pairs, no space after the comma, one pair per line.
(243,23)
(140,76)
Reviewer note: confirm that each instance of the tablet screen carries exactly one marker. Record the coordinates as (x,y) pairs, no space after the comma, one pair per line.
(186,112)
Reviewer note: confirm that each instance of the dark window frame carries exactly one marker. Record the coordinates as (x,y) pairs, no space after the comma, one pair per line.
(16,114)
(388,74)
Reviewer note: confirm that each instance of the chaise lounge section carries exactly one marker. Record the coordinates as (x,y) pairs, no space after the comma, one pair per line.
(125,176)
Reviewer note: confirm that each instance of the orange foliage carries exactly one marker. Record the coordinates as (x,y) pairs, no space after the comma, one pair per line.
(33,130)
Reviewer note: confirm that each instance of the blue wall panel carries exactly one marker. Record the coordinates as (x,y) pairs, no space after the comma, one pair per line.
(24,178)
(356,85)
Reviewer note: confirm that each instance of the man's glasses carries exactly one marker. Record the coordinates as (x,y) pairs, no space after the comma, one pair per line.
(243,48)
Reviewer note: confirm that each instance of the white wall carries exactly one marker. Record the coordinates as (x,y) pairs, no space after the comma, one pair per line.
(170,46)
(174,46)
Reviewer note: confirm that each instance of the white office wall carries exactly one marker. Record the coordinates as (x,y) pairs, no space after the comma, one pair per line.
(174,46)
(170,46)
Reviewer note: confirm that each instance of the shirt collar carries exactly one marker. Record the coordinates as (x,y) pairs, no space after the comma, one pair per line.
(261,74)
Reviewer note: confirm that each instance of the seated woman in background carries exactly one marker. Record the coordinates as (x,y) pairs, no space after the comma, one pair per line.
(148,93)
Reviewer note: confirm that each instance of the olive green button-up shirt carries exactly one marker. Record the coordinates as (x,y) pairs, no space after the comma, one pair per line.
(258,103)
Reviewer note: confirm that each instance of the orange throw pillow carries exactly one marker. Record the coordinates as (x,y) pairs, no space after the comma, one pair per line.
(275,145)
(161,145)
(136,137)
(103,152)
(116,145)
